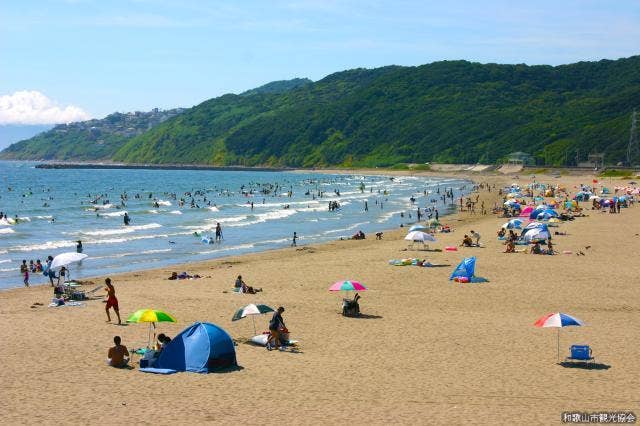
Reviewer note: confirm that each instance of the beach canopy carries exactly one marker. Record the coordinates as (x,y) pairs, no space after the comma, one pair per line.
(466,268)
(419,236)
(200,348)
(66,259)
(347,285)
(418,227)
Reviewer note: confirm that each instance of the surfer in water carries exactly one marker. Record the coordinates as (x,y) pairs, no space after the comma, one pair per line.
(126,219)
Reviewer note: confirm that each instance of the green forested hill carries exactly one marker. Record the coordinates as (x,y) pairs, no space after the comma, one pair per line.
(87,140)
(452,111)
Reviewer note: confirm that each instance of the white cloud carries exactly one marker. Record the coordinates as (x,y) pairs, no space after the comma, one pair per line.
(33,107)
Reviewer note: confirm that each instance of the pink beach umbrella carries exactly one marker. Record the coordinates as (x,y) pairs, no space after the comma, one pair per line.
(347,285)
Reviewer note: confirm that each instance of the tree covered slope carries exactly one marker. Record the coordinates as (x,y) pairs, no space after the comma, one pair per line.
(451,111)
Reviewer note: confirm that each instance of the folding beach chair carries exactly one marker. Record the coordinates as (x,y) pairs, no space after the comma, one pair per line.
(581,353)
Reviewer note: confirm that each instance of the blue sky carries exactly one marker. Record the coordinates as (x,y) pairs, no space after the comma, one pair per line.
(101,56)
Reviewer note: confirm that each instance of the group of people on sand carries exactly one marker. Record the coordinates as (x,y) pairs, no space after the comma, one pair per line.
(468,239)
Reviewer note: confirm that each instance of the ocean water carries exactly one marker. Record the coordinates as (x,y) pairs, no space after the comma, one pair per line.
(55,208)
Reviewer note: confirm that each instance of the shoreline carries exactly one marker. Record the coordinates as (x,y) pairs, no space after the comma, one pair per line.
(184,266)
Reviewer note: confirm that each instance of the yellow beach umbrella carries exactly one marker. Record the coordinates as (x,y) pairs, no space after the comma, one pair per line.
(152,316)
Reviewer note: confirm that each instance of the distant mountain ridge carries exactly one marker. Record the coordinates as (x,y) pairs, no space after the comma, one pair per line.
(449,111)
(96,139)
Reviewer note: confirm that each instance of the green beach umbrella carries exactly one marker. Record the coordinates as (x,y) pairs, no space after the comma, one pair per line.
(152,316)
(251,309)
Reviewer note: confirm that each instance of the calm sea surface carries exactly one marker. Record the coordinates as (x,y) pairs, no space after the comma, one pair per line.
(55,208)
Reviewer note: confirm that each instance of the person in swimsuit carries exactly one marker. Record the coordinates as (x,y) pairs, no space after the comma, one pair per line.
(118,356)
(112,302)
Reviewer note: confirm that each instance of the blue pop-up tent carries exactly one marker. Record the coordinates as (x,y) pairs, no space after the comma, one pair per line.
(466,268)
(201,348)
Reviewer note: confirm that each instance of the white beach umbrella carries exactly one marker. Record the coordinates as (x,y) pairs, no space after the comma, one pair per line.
(66,259)
(419,236)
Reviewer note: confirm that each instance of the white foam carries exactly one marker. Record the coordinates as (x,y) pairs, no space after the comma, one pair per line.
(113,214)
(49,217)
(7,221)
(7,231)
(175,212)
(221,249)
(153,211)
(9,269)
(24,219)
(101,206)
(122,230)
(120,255)
(49,245)
(213,208)
(265,217)
(164,203)
(5,260)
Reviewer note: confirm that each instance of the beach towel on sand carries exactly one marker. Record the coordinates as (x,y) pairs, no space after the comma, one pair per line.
(409,262)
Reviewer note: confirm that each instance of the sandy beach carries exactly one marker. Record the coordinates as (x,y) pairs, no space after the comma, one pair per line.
(427,350)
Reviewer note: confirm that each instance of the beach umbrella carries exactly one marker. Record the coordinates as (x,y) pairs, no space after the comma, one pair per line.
(348,285)
(419,236)
(251,310)
(418,227)
(558,320)
(536,234)
(535,225)
(547,214)
(152,316)
(513,223)
(66,259)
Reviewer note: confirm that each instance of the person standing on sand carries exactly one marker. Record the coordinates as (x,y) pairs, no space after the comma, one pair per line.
(294,240)
(24,270)
(275,325)
(112,301)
